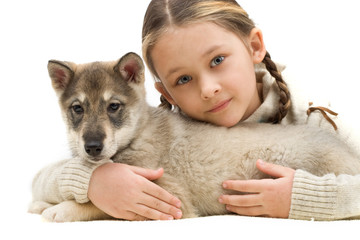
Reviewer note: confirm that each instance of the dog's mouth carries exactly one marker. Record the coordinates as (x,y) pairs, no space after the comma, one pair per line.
(94,159)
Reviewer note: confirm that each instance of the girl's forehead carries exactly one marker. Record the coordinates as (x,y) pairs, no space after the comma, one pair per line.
(195,30)
(195,38)
(186,38)
(184,47)
(194,26)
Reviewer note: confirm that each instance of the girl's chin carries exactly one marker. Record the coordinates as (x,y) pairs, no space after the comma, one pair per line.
(226,122)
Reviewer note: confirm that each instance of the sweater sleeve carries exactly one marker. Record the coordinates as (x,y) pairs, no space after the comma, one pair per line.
(64,180)
(325,198)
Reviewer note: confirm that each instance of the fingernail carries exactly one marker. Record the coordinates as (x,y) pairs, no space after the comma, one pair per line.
(225,185)
(170,218)
(221,200)
(178,215)
(261,162)
(178,204)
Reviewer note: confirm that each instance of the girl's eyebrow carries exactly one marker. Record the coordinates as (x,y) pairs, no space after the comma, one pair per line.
(207,52)
(172,71)
(211,49)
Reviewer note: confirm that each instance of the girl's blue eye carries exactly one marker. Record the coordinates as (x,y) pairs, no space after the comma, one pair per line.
(216,61)
(183,80)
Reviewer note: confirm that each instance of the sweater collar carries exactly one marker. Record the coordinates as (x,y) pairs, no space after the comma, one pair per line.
(270,93)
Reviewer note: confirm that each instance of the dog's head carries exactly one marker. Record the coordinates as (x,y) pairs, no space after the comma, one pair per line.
(101,103)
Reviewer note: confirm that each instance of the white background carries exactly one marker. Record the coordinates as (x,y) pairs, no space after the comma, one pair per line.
(317,40)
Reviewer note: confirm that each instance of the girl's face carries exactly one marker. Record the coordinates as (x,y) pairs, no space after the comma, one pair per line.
(208,72)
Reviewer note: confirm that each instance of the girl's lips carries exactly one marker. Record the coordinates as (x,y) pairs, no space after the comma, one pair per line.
(220,106)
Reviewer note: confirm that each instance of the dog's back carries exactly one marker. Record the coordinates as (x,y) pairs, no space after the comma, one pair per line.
(198,157)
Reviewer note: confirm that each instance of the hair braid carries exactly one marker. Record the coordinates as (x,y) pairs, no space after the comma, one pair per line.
(164,103)
(284,102)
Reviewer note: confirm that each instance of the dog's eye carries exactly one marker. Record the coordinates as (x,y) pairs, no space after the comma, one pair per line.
(113,107)
(77,109)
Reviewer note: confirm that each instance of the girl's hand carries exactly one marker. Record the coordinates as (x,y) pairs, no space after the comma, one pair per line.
(126,192)
(266,197)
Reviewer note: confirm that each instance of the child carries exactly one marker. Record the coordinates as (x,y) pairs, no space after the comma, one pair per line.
(210,62)
(203,54)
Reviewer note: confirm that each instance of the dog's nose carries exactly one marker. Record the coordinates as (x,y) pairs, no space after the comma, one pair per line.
(93,148)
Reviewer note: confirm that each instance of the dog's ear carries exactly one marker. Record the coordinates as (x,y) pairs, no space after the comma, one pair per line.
(131,68)
(61,74)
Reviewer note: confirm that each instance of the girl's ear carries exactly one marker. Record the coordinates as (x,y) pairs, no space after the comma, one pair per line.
(161,89)
(257,45)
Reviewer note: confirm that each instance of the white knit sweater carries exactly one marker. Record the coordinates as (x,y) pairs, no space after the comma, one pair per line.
(320,198)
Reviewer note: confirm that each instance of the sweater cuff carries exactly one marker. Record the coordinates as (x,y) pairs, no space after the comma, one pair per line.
(75,178)
(313,198)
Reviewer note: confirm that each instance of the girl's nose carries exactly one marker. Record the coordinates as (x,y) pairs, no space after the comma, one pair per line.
(209,88)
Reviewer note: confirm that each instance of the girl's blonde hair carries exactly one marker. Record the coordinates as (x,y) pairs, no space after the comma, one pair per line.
(163,14)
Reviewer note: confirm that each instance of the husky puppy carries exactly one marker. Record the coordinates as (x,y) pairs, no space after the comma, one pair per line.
(104,107)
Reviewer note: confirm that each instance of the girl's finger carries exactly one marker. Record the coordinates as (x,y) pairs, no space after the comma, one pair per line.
(149,174)
(147,212)
(158,192)
(134,216)
(246,186)
(247,200)
(153,189)
(273,170)
(162,207)
(246,211)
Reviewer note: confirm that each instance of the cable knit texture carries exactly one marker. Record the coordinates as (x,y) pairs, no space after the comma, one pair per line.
(74,179)
(64,180)
(313,197)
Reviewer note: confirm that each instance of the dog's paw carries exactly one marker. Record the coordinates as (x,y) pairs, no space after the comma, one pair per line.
(62,212)
(38,207)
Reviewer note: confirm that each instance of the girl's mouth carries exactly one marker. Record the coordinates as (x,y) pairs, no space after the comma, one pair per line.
(220,106)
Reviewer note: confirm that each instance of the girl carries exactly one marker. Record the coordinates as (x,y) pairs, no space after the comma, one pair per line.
(210,63)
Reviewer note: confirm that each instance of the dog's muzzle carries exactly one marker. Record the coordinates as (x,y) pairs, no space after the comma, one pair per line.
(94,148)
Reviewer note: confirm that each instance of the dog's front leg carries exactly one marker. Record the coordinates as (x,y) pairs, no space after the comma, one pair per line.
(38,207)
(71,211)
